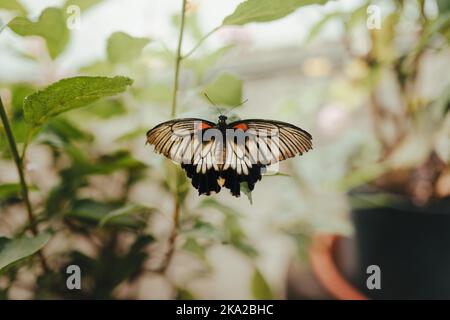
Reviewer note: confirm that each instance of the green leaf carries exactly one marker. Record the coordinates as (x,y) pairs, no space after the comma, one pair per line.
(139,132)
(122,47)
(246,190)
(204,230)
(13,250)
(259,286)
(193,246)
(226,89)
(69,94)
(233,232)
(443,5)
(66,131)
(157,92)
(51,26)
(125,211)
(98,68)
(265,10)
(13,5)
(374,200)
(203,64)
(9,192)
(212,203)
(278,174)
(94,212)
(107,108)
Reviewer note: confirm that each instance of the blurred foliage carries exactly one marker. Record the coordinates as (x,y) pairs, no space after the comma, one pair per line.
(51,26)
(265,10)
(120,40)
(13,5)
(91,127)
(260,287)
(68,94)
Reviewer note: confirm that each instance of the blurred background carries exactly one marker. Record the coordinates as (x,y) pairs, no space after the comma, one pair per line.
(368,79)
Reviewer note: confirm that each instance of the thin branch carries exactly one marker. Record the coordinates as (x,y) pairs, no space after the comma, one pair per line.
(178,61)
(201,41)
(176,214)
(20,171)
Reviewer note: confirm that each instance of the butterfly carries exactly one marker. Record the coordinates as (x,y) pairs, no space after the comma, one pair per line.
(217,155)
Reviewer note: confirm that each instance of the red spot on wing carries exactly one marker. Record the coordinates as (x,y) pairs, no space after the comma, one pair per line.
(204,125)
(241,126)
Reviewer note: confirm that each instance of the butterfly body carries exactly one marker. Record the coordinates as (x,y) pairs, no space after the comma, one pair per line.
(217,155)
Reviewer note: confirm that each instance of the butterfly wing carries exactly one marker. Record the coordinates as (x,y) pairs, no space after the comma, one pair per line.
(257,143)
(178,139)
(190,142)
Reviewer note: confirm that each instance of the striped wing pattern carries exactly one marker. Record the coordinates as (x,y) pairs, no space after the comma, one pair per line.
(273,141)
(236,155)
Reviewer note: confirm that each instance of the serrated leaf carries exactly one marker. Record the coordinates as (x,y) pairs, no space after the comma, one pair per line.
(259,286)
(265,10)
(226,89)
(13,250)
(122,47)
(13,5)
(51,26)
(69,94)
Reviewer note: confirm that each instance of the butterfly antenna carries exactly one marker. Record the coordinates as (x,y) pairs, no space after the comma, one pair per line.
(212,102)
(238,105)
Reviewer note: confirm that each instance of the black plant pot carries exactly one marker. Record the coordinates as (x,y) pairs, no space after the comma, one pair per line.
(411,245)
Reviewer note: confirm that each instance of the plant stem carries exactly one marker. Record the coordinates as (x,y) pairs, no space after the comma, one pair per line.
(200,42)
(19,165)
(178,61)
(23,183)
